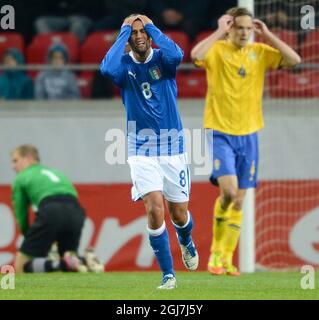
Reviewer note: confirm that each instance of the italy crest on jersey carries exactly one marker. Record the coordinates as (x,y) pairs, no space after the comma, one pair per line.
(155,73)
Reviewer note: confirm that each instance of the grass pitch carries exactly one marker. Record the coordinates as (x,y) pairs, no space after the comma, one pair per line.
(142,286)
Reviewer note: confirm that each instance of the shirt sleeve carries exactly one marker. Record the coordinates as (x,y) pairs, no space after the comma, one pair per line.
(172,54)
(207,59)
(199,63)
(272,57)
(20,205)
(111,66)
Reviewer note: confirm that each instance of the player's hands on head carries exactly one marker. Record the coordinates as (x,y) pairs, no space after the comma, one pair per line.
(225,23)
(129,21)
(145,20)
(260,27)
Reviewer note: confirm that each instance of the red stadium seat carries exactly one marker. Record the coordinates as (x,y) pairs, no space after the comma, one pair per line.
(309,49)
(201,36)
(290,85)
(94,49)
(288,36)
(191,84)
(84,81)
(272,79)
(38,49)
(116,91)
(181,38)
(96,45)
(11,40)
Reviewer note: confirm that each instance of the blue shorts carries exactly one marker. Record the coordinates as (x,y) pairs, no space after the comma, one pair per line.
(234,156)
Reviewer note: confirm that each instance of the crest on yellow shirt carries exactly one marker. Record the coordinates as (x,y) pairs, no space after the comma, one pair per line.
(252,171)
(242,71)
(217,164)
(252,56)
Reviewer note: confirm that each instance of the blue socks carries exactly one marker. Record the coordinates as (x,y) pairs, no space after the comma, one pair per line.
(159,241)
(184,232)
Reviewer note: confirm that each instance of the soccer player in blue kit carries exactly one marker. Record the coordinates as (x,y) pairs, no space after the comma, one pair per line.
(156,146)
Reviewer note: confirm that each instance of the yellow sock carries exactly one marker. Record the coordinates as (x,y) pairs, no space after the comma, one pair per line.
(232,235)
(220,222)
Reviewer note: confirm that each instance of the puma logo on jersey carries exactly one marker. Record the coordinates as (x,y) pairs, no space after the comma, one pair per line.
(185,193)
(130,73)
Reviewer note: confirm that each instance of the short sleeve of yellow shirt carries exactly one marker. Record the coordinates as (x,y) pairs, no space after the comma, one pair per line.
(235,80)
(203,63)
(272,56)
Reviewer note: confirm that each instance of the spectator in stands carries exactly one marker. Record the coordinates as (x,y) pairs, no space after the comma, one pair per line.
(57,83)
(188,16)
(15,84)
(116,11)
(70,16)
(285,15)
(275,14)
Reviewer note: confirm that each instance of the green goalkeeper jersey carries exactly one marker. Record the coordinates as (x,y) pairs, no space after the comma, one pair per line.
(34,184)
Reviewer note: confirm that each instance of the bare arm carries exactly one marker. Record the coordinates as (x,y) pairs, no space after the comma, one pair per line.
(290,56)
(224,25)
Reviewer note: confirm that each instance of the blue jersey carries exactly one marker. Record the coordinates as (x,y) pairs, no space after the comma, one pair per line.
(149,93)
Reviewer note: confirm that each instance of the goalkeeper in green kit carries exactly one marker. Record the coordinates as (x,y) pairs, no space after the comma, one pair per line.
(59,215)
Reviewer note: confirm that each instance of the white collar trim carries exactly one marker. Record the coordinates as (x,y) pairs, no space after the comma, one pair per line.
(148,59)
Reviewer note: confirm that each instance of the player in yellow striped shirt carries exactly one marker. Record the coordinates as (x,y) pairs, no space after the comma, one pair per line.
(235,72)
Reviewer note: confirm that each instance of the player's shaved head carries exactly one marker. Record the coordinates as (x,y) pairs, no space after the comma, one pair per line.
(26,150)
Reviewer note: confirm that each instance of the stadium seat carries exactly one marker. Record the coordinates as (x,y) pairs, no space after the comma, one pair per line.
(116,91)
(291,85)
(96,45)
(191,84)
(181,38)
(201,36)
(309,49)
(288,36)
(272,78)
(84,81)
(11,40)
(38,49)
